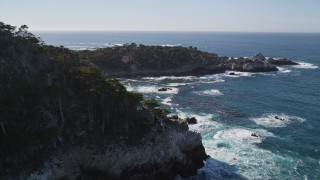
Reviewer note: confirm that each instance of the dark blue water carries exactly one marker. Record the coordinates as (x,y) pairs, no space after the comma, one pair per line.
(230,108)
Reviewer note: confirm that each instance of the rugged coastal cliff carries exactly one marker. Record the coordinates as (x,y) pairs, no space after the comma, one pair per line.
(132,60)
(60,119)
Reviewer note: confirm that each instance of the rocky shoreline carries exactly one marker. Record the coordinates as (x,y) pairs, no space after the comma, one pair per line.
(62,120)
(257,63)
(168,150)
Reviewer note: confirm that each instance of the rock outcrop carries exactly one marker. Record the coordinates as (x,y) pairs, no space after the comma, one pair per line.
(281,61)
(175,61)
(60,119)
(191,120)
(174,151)
(259,57)
(249,65)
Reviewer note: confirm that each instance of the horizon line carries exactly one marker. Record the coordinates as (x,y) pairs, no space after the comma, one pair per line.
(169,31)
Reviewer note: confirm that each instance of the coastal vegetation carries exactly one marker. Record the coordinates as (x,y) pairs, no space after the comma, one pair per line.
(54,101)
(63,114)
(132,60)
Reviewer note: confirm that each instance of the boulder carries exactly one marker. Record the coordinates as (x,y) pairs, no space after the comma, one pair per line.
(191,120)
(164,89)
(174,117)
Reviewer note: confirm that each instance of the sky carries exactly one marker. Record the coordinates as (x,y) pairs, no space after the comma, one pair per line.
(164,15)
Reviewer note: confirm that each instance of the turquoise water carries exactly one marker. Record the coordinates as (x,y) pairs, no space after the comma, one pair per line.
(230,108)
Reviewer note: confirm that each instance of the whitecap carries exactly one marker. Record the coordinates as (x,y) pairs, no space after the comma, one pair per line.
(132,80)
(238,74)
(204,121)
(211,76)
(283,70)
(211,79)
(214,92)
(240,135)
(276,120)
(170,78)
(177,84)
(218,80)
(152,89)
(304,65)
(167,101)
(211,92)
(236,147)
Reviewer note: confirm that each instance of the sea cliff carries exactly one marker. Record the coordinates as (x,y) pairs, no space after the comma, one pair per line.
(60,119)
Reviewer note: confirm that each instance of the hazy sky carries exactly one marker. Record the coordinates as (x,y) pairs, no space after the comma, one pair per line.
(164,15)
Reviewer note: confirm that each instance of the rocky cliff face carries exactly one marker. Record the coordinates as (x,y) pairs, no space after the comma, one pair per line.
(161,155)
(248,65)
(60,119)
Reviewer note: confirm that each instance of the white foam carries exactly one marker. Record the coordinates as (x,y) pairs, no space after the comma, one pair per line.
(236,147)
(211,92)
(151,89)
(212,76)
(283,70)
(304,65)
(177,84)
(131,80)
(214,92)
(282,120)
(204,121)
(238,74)
(242,135)
(218,80)
(170,78)
(167,101)
(211,79)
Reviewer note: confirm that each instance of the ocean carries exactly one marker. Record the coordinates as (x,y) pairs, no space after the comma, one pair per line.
(282,108)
